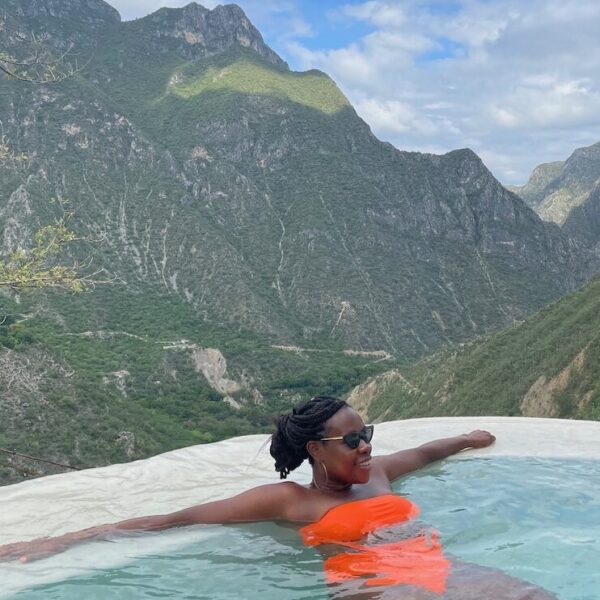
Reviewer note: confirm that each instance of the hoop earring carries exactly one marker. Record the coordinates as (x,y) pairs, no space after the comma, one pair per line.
(326,474)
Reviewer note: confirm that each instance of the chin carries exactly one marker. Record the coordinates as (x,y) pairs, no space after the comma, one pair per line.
(363,477)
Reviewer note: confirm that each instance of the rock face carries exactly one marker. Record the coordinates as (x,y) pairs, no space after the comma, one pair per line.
(363,395)
(89,14)
(555,189)
(63,23)
(196,32)
(533,192)
(583,222)
(542,398)
(212,364)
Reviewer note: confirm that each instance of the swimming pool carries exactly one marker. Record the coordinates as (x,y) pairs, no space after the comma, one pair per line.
(536,518)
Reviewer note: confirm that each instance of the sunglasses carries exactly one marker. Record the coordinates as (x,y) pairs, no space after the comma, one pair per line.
(353,438)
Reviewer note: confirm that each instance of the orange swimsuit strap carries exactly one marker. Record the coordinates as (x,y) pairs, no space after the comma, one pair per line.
(417,561)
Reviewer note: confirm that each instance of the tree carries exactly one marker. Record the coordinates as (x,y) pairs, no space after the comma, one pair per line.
(33,268)
(33,61)
(6,154)
(36,267)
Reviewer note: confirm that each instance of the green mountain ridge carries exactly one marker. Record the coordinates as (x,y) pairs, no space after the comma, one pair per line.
(256,181)
(546,366)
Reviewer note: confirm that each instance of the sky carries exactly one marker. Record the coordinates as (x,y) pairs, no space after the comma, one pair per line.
(517,81)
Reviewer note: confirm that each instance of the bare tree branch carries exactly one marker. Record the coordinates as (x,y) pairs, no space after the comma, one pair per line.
(37,268)
(39,64)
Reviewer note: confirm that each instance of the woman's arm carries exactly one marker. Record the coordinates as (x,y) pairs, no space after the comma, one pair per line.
(264,503)
(402,462)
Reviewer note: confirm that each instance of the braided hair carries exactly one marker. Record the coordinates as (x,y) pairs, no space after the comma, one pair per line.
(295,429)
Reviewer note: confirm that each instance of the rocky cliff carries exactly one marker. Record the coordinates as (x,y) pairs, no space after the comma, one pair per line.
(555,189)
(533,192)
(583,222)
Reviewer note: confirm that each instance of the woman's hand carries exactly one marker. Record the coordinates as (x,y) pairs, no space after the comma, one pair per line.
(26,551)
(480,439)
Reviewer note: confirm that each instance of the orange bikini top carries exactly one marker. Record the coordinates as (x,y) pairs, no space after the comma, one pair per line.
(351,521)
(418,561)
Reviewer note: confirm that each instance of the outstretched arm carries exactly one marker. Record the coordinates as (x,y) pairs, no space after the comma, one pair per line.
(264,503)
(402,462)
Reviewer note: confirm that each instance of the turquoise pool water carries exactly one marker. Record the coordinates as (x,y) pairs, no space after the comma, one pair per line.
(536,519)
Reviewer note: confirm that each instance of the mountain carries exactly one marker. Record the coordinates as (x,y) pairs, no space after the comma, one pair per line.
(258,195)
(262,245)
(555,189)
(533,192)
(583,222)
(546,366)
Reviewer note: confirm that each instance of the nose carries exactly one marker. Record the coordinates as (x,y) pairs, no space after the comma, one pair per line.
(364,447)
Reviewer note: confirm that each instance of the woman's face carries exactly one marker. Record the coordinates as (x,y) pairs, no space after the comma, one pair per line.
(344,464)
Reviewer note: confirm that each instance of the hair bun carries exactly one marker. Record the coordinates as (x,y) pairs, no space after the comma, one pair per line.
(294,430)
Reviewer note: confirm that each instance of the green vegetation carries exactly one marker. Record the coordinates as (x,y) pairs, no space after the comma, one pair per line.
(119,365)
(549,365)
(36,62)
(33,268)
(312,89)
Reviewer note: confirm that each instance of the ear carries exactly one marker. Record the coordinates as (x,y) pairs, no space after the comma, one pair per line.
(314,449)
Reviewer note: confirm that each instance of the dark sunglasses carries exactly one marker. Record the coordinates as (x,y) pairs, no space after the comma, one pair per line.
(353,438)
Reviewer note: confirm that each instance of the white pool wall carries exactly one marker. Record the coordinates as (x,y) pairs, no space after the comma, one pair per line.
(181,478)
(70,501)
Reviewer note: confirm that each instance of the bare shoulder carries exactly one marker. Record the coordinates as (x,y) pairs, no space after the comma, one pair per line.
(295,497)
(286,499)
(301,503)
(283,491)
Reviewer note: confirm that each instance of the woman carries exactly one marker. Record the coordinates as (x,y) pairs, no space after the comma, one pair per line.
(372,545)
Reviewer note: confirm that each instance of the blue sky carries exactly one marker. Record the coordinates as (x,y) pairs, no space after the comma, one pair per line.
(517,81)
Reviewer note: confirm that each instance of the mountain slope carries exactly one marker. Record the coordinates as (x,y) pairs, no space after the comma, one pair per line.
(243,188)
(115,375)
(555,189)
(547,366)
(583,222)
(533,192)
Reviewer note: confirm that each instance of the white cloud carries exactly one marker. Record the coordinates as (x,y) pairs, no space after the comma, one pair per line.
(546,100)
(504,117)
(574,87)
(380,14)
(349,64)
(393,43)
(438,105)
(394,116)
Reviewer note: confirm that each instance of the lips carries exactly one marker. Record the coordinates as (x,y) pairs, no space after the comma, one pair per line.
(364,464)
